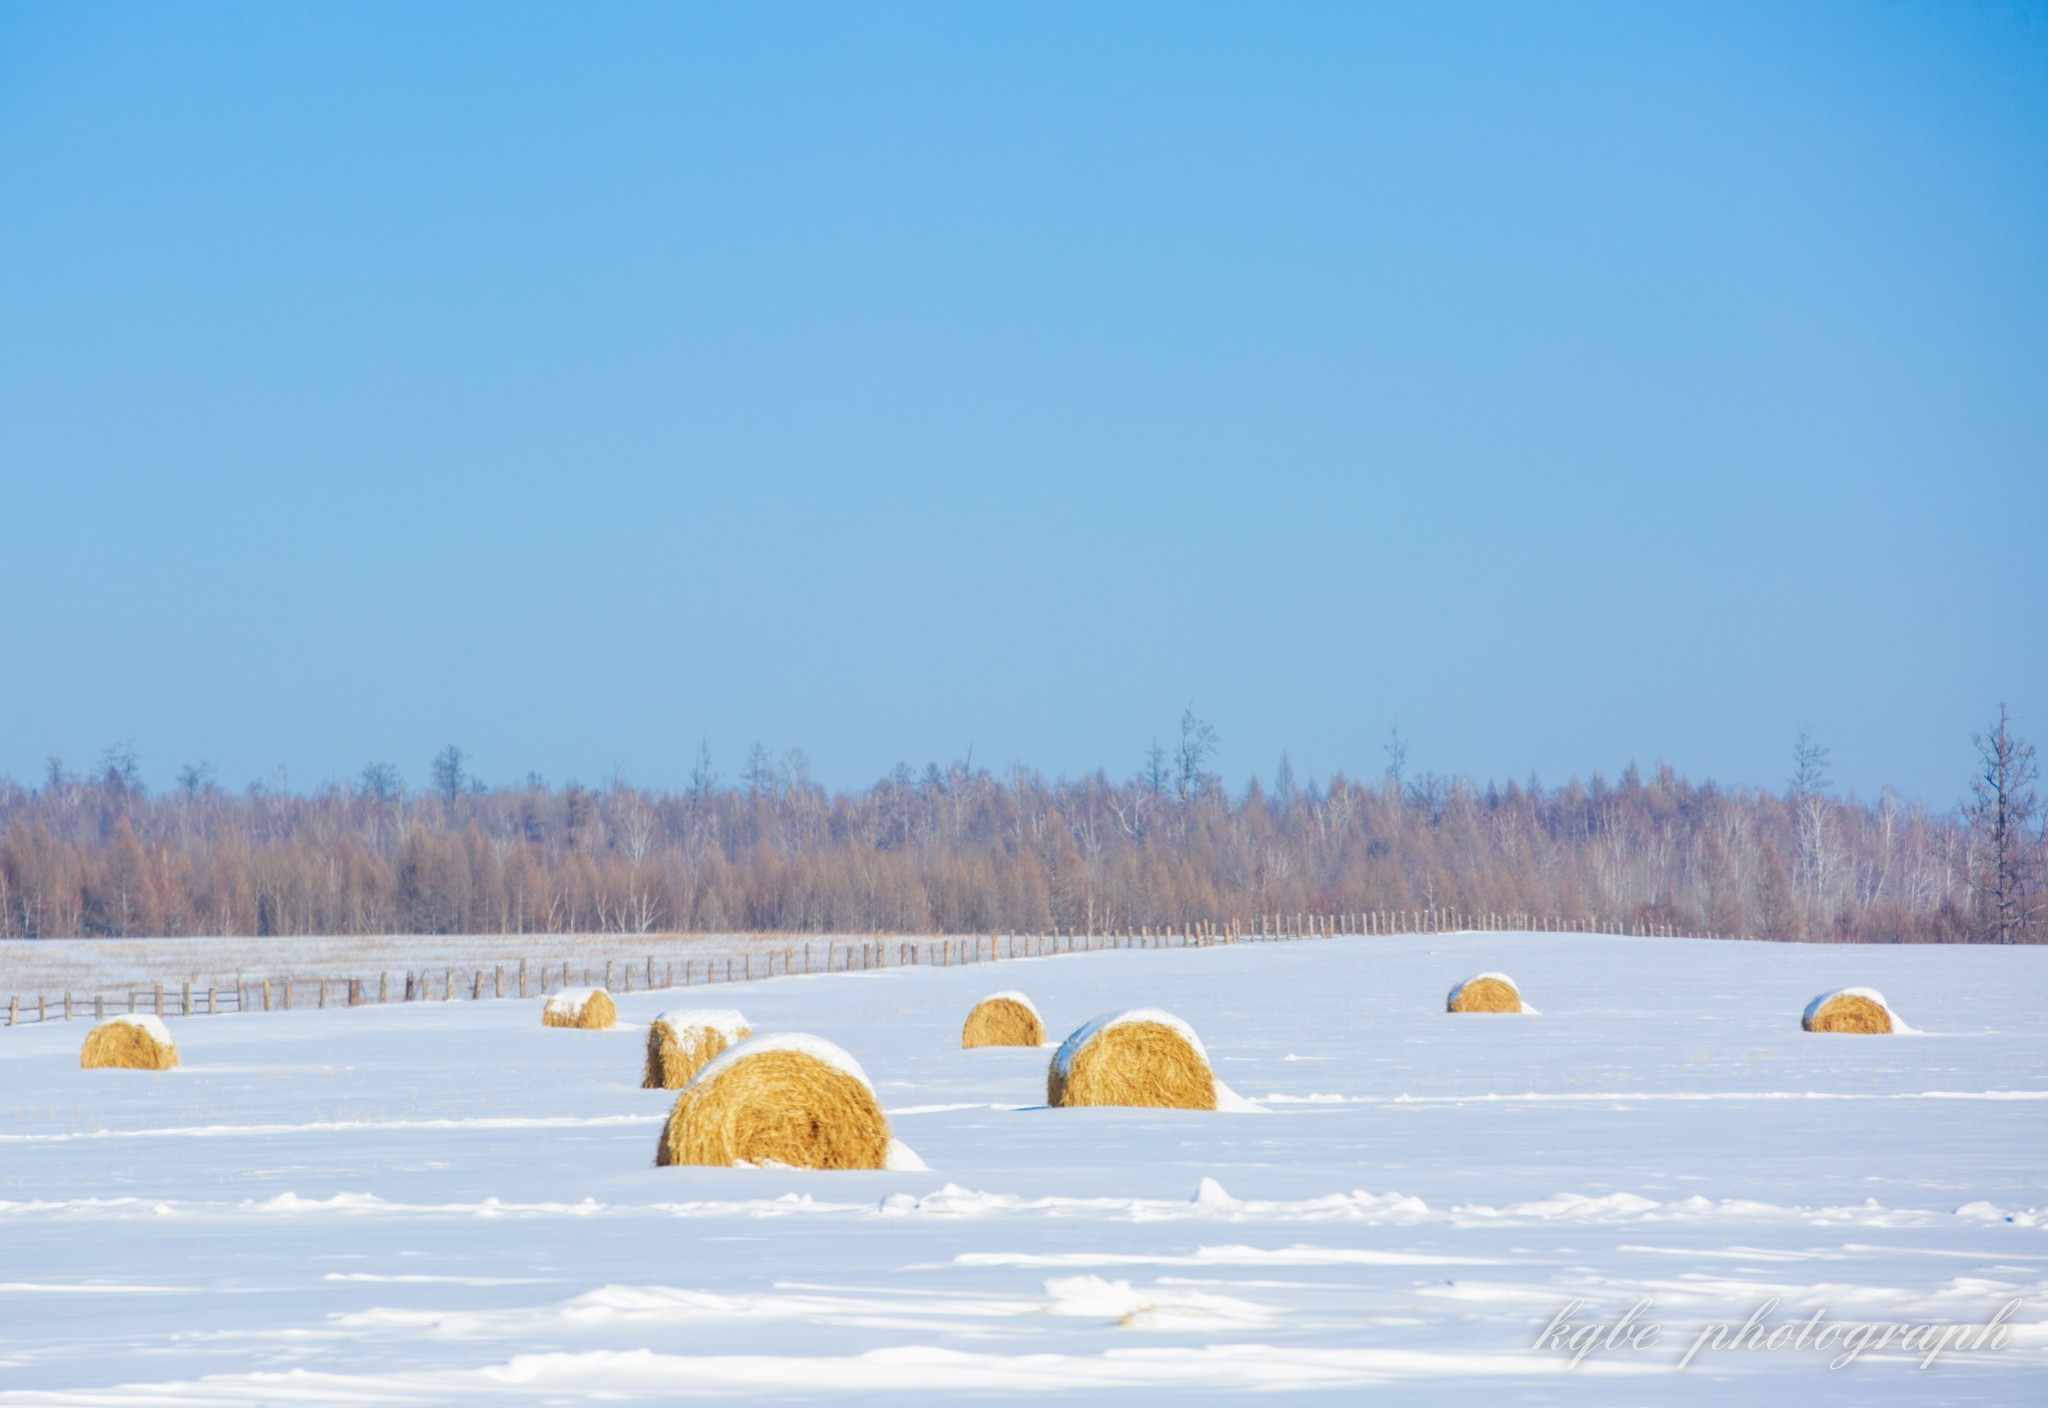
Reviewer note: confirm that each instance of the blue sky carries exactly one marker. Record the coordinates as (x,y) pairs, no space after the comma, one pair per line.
(1566,385)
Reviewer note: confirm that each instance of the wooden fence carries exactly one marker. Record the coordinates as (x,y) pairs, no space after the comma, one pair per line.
(766,956)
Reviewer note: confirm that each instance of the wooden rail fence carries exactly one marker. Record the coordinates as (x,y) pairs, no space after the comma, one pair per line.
(768,956)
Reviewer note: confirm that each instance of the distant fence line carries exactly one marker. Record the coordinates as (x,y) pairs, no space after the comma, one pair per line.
(781,955)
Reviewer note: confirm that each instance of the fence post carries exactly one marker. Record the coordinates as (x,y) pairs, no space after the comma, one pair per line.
(522,977)
(159,999)
(14,1011)
(211,1009)
(67,1004)
(42,1008)
(99,1007)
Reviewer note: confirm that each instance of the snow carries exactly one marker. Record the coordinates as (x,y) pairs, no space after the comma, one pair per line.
(1017,997)
(117,965)
(569,1001)
(158,1032)
(901,1159)
(726,1021)
(1481,977)
(804,1043)
(436,1203)
(1087,1032)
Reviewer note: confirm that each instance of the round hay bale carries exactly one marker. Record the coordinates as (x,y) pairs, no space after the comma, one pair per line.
(680,1044)
(794,1100)
(1144,1057)
(1003,1019)
(590,1009)
(1858,1010)
(137,1043)
(1489,992)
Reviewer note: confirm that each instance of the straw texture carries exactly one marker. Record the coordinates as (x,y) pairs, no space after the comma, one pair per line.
(1140,1063)
(128,1046)
(1849,1012)
(1002,1020)
(678,1048)
(591,1010)
(776,1106)
(1487,993)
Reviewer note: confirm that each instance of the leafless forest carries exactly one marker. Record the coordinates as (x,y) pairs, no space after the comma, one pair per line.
(960,850)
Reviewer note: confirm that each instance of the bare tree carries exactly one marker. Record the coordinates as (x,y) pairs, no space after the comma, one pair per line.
(1809,767)
(703,777)
(2005,873)
(1286,791)
(1197,746)
(120,772)
(380,782)
(1813,816)
(1397,758)
(447,773)
(759,776)
(1155,775)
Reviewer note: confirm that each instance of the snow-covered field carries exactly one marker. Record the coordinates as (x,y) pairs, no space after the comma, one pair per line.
(86,966)
(448,1203)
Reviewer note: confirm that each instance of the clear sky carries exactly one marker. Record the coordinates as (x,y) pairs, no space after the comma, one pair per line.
(1564,384)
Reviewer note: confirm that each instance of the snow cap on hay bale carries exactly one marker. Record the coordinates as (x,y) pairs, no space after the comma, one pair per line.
(1861,1010)
(1003,1019)
(792,1099)
(680,1044)
(588,1008)
(138,1043)
(1143,1057)
(1489,992)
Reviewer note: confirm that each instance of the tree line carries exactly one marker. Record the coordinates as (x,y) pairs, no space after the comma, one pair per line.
(959,849)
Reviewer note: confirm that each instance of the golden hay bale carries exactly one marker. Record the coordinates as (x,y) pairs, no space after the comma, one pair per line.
(129,1043)
(1860,1010)
(1489,992)
(794,1100)
(588,1008)
(1003,1019)
(680,1044)
(1144,1057)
